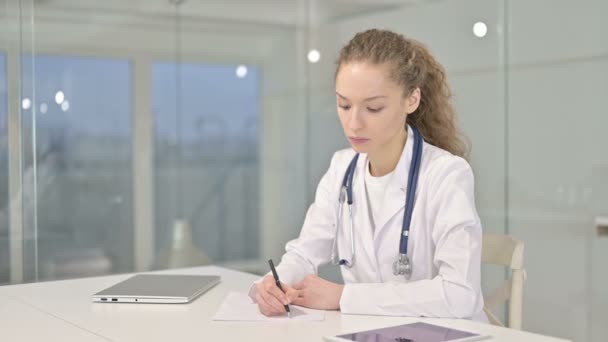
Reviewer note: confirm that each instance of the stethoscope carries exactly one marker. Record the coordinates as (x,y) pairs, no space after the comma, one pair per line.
(401,266)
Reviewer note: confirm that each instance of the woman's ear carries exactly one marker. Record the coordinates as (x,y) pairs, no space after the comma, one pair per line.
(413,101)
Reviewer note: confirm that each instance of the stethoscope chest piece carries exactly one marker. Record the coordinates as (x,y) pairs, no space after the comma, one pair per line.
(403,266)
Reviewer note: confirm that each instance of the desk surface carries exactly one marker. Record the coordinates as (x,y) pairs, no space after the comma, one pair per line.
(21,322)
(65,310)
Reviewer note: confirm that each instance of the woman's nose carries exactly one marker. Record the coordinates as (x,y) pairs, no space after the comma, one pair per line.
(354,120)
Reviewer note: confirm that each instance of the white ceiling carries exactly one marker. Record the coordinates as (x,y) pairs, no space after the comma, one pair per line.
(222,27)
(260,12)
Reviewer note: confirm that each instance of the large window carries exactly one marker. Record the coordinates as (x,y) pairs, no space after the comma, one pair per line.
(207,157)
(77,152)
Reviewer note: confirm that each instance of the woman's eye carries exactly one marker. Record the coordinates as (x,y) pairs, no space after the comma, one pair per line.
(344,107)
(375,110)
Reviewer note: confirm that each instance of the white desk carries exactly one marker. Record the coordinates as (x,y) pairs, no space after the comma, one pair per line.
(21,322)
(64,309)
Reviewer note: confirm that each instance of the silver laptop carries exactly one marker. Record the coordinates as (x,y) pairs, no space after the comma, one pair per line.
(157,288)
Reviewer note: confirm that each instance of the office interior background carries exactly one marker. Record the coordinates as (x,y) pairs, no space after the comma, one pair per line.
(147,134)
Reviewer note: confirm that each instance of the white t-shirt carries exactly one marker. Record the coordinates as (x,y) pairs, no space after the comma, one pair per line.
(375,188)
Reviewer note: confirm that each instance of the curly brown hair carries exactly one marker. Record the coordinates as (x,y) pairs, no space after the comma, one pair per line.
(413,67)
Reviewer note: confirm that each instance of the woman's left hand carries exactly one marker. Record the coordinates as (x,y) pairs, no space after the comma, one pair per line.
(318,293)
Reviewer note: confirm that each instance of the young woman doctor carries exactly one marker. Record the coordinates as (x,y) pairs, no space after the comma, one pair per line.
(391,94)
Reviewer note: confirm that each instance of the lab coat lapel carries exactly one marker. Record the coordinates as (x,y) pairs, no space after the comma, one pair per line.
(394,198)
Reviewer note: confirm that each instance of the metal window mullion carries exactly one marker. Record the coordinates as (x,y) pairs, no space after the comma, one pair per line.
(143,164)
(15,163)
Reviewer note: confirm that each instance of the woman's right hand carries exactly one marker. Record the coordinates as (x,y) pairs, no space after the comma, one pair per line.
(270,299)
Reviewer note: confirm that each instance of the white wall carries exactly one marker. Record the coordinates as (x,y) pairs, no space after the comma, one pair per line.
(284,145)
(558,162)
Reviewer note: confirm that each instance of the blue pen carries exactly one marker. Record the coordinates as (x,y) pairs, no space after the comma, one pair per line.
(278,282)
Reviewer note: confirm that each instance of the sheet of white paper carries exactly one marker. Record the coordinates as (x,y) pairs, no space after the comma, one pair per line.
(238,306)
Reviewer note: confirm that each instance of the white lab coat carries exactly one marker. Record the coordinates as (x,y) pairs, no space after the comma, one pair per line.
(444,244)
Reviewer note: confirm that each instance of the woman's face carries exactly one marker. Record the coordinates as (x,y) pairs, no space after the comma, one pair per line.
(371,106)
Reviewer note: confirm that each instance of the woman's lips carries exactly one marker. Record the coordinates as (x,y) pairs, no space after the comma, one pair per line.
(358,141)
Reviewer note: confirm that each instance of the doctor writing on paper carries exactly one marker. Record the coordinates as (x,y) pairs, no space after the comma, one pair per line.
(395,107)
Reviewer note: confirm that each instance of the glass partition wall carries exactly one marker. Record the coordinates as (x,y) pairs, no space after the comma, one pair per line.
(140,135)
